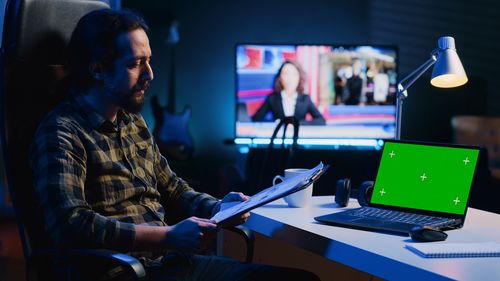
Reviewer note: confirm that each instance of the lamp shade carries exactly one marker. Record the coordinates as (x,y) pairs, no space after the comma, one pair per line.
(448,71)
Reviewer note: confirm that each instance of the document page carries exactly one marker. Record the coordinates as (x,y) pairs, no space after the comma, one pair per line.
(288,186)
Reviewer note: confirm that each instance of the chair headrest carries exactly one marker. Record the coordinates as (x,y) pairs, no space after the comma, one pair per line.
(37,31)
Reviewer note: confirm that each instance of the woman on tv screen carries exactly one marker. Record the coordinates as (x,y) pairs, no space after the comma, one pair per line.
(288,98)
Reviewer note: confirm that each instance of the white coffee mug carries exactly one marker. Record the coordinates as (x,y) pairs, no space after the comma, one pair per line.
(300,198)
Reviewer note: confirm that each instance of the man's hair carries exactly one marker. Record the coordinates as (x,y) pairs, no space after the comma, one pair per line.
(278,87)
(94,40)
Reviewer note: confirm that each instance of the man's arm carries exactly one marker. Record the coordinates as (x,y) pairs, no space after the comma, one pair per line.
(187,235)
(59,164)
(177,197)
(58,160)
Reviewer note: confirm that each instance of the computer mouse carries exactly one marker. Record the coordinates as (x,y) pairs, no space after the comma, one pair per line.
(427,234)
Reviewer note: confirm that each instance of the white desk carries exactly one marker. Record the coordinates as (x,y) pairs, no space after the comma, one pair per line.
(382,255)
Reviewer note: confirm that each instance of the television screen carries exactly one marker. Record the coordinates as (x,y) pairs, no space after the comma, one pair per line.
(335,92)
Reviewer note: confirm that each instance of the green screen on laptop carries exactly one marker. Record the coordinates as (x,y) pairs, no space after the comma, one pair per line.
(425,177)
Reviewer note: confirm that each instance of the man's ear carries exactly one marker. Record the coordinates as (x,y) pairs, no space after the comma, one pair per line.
(96,70)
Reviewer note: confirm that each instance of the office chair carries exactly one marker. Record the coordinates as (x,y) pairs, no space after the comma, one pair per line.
(32,57)
(35,33)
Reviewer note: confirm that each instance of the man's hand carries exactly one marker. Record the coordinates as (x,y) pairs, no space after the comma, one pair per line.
(232,197)
(190,235)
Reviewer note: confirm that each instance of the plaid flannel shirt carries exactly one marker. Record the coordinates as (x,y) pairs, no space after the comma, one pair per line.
(96,180)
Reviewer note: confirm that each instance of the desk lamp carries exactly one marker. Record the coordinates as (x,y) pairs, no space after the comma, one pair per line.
(448,73)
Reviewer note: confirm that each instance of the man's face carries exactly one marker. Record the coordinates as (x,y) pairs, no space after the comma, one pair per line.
(129,79)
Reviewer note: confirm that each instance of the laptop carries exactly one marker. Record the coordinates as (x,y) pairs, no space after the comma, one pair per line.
(416,184)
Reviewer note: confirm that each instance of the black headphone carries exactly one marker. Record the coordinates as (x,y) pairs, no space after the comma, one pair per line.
(343,192)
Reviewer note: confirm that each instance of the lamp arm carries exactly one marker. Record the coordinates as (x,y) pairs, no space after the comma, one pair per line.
(412,77)
(404,84)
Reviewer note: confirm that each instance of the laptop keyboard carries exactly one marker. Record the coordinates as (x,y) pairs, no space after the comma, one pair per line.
(401,217)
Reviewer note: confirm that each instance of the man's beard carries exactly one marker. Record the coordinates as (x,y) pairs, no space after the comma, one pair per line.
(130,102)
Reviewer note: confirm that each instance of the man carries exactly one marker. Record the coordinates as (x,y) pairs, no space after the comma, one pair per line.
(98,172)
(354,86)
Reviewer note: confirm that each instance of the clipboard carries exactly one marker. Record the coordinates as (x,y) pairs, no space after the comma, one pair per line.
(285,188)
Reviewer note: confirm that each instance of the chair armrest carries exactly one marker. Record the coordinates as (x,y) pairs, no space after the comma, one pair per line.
(130,264)
(249,239)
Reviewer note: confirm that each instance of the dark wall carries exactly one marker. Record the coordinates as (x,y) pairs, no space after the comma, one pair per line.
(415,25)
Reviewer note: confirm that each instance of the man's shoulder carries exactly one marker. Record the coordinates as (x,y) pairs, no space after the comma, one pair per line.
(60,124)
(62,116)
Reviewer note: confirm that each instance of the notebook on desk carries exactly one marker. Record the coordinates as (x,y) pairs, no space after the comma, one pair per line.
(416,184)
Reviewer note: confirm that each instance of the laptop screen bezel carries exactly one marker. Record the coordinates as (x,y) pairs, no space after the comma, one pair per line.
(427,212)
